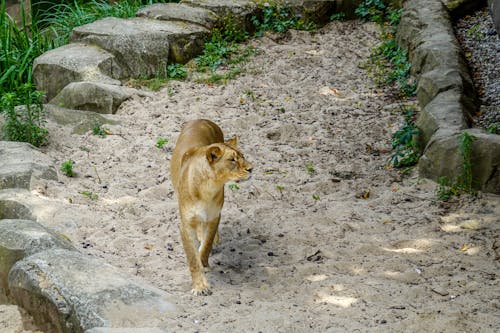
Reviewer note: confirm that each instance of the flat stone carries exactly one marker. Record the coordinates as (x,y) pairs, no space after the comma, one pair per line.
(74,293)
(21,238)
(144,46)
(12,207)
(80,121)
(23,165)
(56,68)
(93,96)
(179,12)
(240,12)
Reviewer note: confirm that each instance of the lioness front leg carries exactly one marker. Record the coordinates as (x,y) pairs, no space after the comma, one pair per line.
(188,236)
(210,230)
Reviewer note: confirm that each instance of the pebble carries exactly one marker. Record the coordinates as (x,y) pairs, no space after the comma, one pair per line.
(481,45)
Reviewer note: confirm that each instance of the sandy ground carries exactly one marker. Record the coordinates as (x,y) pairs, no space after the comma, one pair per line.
(322,238)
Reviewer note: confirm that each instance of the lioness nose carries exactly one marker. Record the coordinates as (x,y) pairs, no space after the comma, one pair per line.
(249,168)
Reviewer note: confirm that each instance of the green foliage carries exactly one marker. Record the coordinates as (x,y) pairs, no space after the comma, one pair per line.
(494,128)
(216,52)
(464,183)
(279,19)
(24,123)
(337,17)
(160,142)
(90,195)
(316,197)
(404,146)
(67,168)
(309,168)
(234,187)
(475,32)
(372,10)
(176,71)
(99,130)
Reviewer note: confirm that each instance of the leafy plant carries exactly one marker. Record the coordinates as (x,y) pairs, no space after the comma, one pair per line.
(99,130)
(475,32)
(67,168)
(279,19)
(176,71)
(494,128)
(315,197)
(337,17)
(90,195)
(404,146)
(234,187)
(160,142)
(371,10)
(24,123)
(309,168)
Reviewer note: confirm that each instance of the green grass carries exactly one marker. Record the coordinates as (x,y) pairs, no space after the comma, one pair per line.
(67,168)
(91,195)
(99,130)
(160,142)
(404,146)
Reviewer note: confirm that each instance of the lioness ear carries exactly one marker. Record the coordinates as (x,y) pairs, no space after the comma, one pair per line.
(233,141)
(213,154)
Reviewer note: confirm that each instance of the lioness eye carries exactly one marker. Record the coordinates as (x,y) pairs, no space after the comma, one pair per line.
(232,159)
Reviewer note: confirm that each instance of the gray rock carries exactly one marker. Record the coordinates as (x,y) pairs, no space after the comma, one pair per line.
(23,165)
(81,121)
(144,46)
(93,96)
(75,293)
(315,11)
(21,238)
(443,79)
(56,68)
(12,208)
(443,111)
(179,12)
(239,12)
(442,157)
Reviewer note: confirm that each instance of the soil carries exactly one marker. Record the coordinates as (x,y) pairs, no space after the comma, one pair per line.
(323,238)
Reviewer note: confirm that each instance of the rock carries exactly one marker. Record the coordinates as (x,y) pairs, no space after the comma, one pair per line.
(75,293)
(239,12)
(21,238)
(56,68)
(315,11)
(494,7)
(443,111)
(442,157)
(143,46)
(93,96)
(23,165)
(82,121)
(13,208)
(180,12)
(443,79)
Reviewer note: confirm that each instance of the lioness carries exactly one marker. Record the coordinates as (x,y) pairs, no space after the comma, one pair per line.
(200,166)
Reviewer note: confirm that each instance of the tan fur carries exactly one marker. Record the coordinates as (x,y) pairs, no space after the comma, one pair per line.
(200,166)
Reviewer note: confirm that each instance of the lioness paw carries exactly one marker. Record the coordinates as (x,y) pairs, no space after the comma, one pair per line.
(201,291)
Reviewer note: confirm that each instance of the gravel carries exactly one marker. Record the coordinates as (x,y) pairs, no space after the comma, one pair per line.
(481,45)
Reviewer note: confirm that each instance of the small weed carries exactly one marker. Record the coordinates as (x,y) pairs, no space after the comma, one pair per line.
(316,197)
(405,148)
(176,71)
(67,168)
(90,195)
(475,32)
(309,168)
(372,10)
(99,130)
(233,187)
(160,142)
(280,187)
(464,183)
(337,17)
(494,128)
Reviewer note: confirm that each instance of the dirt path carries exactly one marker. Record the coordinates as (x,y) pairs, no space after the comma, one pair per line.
(301,249)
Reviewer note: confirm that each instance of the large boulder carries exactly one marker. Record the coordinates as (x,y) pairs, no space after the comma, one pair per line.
(21,238)
(56,68)
(23,165)
(442,158)
(93,96)
(73,293)
(144,46)
(179,12)
(494,6)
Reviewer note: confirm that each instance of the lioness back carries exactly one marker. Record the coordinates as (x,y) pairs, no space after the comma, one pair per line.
(195,133)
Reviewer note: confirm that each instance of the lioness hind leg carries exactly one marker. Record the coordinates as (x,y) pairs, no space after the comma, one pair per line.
(200,284)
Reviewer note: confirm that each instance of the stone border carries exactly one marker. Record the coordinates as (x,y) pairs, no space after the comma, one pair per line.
(446,97)
(41,270)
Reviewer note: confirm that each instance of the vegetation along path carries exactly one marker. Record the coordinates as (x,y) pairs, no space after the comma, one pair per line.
(323,237)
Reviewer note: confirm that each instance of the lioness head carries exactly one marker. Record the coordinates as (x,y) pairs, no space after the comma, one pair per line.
(227,161)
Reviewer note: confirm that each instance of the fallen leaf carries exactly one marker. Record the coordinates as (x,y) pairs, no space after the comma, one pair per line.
(148,247)
(464,247)
(385,221)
